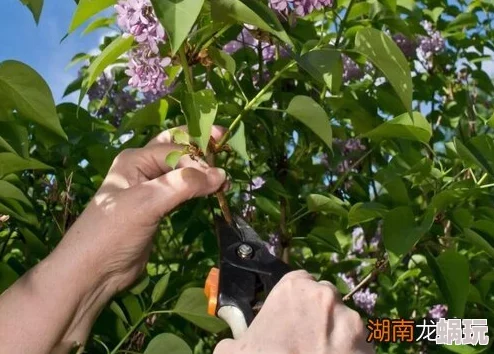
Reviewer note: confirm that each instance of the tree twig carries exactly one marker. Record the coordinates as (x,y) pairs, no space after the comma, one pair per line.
(380,266)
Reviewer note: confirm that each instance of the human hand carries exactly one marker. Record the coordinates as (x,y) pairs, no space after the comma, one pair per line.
(301,315)
(118,225)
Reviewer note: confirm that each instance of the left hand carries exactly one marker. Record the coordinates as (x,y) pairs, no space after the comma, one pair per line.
(118,225)
(56,303)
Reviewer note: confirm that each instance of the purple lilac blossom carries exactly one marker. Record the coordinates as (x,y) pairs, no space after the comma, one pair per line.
(351,70)
(366,300)
(100,88)
(358,240)
(438,311)
(431,44)
(376,239)
(257,183)
(246,39)
(137,17)
(299,7)
(146,66)
(147,73)
(124,102)
(408,46)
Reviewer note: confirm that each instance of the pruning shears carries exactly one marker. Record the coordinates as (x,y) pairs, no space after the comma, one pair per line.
(246,274)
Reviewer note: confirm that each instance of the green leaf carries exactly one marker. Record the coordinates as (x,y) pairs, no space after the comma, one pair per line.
(463,20)
(364,212)
(411,273)
(35,6)
(177,17)
(252,12)
(222,59)
(74,86)
(331,205)
(34,244)
(4,145)
(86,9)
(326,237)
(451,273)
(403,127)
(381,50)
(140,286)
(268,206)
(160,288)
(151,115)
(7,277)
(173,157)
(192,305)
(310,113)
(479,241)
(107,57)
(22,89)
(117,310)
(99,23)
(238,142)
(325,66)
(8,190)
(16,211)
(180,136)
(400,233)
(200,111)
(10,163)
(478,151)
(15,135)
(167,343)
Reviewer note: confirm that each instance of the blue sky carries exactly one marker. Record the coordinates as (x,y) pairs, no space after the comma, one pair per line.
(39,46)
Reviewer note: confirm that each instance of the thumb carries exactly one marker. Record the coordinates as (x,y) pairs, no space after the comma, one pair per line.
(166,192)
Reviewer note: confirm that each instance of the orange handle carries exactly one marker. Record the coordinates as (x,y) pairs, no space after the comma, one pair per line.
(211,290)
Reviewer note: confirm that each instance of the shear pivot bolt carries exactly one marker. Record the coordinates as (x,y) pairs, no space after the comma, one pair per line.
(244,251)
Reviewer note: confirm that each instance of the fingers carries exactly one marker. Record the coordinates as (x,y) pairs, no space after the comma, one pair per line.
(166,192)
(134,166)
(166,138)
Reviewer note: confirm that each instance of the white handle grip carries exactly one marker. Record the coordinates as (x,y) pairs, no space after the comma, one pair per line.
(235,319)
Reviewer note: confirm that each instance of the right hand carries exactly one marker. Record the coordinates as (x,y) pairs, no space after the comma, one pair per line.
(301,315)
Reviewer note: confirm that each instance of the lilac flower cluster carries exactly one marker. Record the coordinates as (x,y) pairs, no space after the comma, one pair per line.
(364,299)
(407,45)
(100,88)
(247,197)
(246,39)
(146,66)
(438,311)
(431,44)
(348,148)
(352,71)
(358,240)
(117,102)
(299,7)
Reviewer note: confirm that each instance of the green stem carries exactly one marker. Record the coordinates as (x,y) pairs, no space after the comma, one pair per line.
(134,327)
(252,103)
(342,24)
(482,179)
(186,69)
(215,37)
(299,217)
